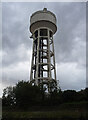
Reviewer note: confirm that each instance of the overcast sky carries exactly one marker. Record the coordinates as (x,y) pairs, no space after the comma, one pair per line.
(69,42)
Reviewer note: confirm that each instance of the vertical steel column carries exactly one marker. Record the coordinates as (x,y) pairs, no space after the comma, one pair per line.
(54,58)
(37,60)
(32,62)
(49,62)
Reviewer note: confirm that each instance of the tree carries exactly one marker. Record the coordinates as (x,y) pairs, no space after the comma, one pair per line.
(22,95)
(69,96)
(26,94)
(8,98)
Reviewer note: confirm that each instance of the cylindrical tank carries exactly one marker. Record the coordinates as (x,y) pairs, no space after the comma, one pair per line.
(41,19)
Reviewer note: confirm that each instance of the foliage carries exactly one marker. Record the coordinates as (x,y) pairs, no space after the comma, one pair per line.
(24,95)
(8,98)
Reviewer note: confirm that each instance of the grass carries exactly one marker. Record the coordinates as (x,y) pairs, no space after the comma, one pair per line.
(67,111)
(49,114)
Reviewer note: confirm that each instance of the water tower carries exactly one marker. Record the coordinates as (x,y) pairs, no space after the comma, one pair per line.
(43,71)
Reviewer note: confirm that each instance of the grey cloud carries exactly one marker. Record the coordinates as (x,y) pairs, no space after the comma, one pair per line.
(70,26)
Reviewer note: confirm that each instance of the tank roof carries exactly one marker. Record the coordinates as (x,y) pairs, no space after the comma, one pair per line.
(44,11)
(43,18)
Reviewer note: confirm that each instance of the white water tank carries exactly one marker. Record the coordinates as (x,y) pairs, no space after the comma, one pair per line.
(43,19)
